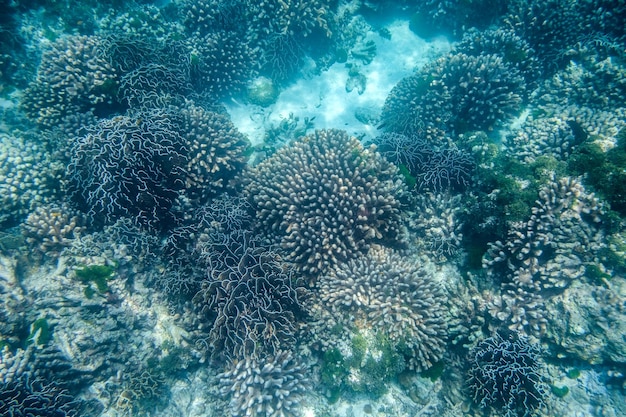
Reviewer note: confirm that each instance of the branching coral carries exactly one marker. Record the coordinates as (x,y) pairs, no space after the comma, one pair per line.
(395,296)
(73,77)
(28,177)
(267,387)
(457,92)
(506,376)
(51,228)
(324,198)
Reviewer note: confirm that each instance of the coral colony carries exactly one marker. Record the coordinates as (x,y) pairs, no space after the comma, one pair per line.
(285,208)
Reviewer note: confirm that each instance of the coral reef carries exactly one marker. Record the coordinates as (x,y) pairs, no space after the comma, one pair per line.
(73,77)
(29,177)
(456,93)
(436,221)
(545,254)
(389,293)
(249,306)
(139,164)
(325,198)
(506,376)
(265,387)
(52,227)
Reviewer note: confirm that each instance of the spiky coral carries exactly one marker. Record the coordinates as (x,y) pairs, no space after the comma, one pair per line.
(324,198)
(391,294)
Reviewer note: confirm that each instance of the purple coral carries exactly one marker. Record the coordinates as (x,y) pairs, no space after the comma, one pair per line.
(129,167)
(506,376)
(436,168)
(250,304)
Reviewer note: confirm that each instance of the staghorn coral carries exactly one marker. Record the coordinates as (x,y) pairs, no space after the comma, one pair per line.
(52,227)
(324,198)
(73,77)
(506,376)
(544,255)
(216,151)
(29,177)
(221,64)
(267,387)
(456,93)
(540,137)
(389,293)
(250,303)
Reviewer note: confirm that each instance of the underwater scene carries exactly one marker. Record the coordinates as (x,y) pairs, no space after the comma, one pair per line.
(313,208)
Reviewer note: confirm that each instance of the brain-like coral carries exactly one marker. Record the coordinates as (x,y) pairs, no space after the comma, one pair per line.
(458,93)
(324,198)
(437,225)
(390,294)
(128,167)
(268,387)
(28,177)
(74,76)
(137,165)
(249,303)
(28,388)
(506,377)
(435,167)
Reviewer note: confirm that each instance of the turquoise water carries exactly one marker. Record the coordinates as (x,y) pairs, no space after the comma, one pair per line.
(313,208)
